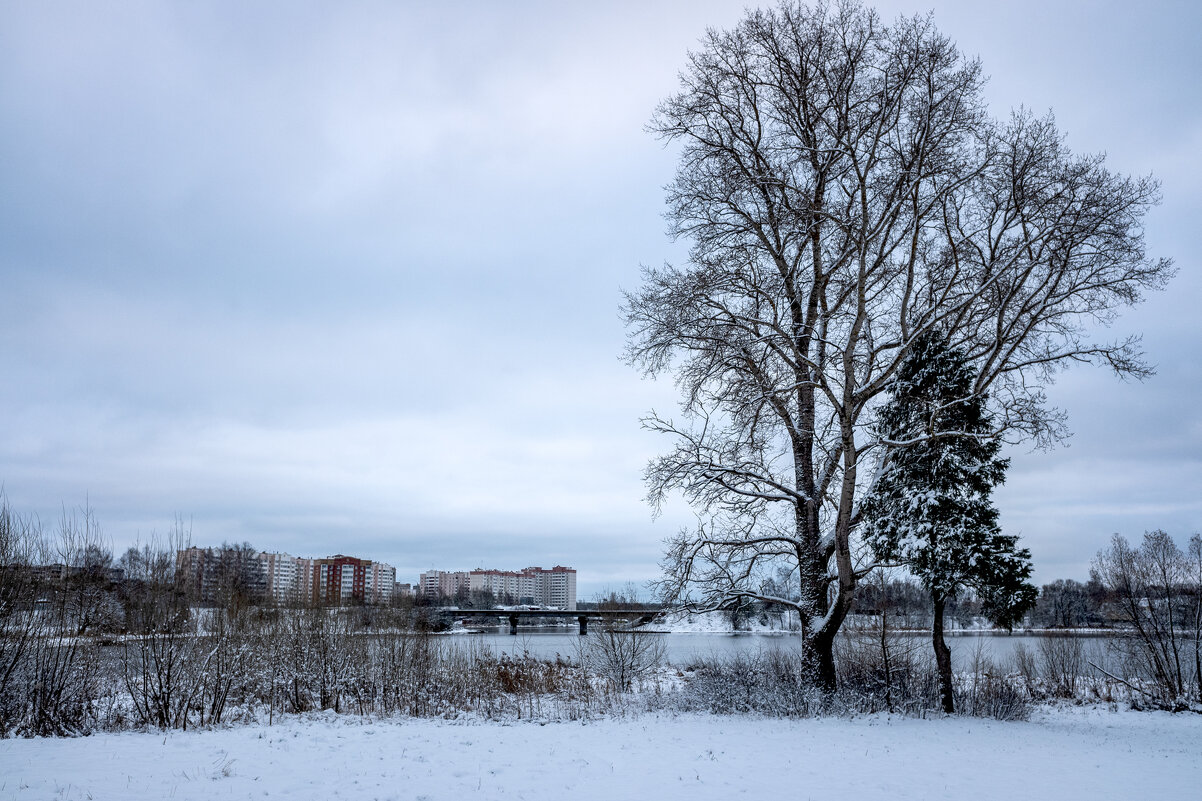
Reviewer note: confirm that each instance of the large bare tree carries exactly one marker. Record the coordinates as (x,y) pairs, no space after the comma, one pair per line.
(843,189)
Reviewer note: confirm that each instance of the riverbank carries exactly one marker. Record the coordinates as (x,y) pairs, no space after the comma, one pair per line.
(787,622)
(1062,753)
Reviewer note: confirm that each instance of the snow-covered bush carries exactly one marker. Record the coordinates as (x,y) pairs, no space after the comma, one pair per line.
(772,682)
(988,690)
(884,670)
(621,657)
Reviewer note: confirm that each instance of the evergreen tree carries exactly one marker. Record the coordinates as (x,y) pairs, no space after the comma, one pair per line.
(930,508)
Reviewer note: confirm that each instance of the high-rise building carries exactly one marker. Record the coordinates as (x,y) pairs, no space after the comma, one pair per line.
(381,583)
(559,587)
(443,583)
(209,572)
(216,574)
(281,573)
(341,579)
(532,585)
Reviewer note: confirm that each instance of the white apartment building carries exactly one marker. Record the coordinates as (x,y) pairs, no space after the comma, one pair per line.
(503,584)
(559,587)
(445,583)
(281,571)
(534,585)
(381,583)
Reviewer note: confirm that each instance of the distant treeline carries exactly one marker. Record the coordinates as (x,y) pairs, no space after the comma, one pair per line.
(1062,604)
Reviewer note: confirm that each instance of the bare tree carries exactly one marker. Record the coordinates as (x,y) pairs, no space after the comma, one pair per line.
(87,593)
(1067,604)
(1155,589)
(74,596)
(877,658)
(1194,570)
(20,623)
(844,189)
(163,667)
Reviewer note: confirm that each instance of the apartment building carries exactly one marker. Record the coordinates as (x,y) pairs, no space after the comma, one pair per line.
(380,583)
(207,573)
(212,574)
(280,572)
(343,579)
(532,585)
(443,583)
(558,586)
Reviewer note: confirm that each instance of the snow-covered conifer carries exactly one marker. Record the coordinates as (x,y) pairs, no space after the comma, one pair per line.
(930,508)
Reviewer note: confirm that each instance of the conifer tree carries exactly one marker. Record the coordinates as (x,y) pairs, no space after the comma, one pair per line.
(930,508)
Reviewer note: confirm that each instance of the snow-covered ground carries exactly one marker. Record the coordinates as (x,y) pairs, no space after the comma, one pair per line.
(1087,753)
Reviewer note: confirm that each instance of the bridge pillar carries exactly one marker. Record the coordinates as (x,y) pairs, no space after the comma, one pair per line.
(583,625)
(513,625)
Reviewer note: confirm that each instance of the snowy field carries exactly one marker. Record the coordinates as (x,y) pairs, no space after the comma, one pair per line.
(1087,753)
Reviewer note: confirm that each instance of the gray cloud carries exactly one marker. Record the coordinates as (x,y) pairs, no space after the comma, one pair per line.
(346,277)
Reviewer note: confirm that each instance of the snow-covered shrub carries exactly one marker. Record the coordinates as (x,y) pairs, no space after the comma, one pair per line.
(773,682)
(884,670)
(985,690)
(621,657)
(1063,657)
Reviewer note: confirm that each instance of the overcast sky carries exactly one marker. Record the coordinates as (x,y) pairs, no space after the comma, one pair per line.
(345,277)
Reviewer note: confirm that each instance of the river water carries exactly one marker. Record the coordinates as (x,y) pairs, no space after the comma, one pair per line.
(682,648)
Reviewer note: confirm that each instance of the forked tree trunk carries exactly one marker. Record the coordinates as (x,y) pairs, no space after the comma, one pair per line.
(943,659)
(822,643)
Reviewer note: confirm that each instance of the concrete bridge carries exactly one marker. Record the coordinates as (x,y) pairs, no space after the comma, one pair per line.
(639,617)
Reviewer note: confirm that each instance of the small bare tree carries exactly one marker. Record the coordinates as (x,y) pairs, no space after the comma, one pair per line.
(877,657)
(75,595)
(162,668)
(88,594)
(1195,573)
(20,621)
(621,657)
(1157,596)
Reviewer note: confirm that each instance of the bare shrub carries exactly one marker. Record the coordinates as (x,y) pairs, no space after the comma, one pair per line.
(54,590)
(1026,666)
(622,657)
(774,682)
(779,683)
(20,622)
(986,691)
(228,670)
(884,670)
(61,683)
(162,666)
(1063,659)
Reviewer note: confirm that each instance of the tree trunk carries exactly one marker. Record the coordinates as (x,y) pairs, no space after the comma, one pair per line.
(822,656)
(943,659)
(1198,641)
(822,644)
(885,652)
(823,641)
